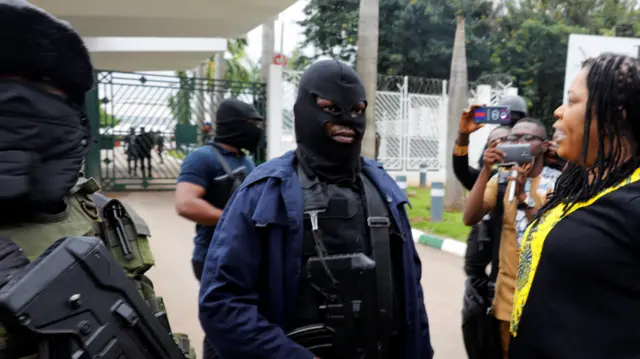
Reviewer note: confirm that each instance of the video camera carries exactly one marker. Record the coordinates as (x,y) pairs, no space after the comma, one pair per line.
(77,302)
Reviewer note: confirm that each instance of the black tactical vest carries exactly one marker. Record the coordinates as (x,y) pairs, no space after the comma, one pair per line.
(346,226)
(344,231)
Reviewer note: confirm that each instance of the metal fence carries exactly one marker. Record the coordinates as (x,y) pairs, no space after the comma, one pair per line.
(149,123)
(411,117)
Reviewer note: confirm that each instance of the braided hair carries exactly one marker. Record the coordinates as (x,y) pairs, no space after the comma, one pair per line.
(613,84)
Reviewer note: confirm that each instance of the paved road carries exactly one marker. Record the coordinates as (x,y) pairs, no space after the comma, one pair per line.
(442,276)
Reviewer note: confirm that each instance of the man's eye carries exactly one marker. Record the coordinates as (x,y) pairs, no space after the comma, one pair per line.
(331,109)
(357,112)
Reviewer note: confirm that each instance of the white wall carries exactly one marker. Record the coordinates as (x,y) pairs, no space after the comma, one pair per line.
(582,47)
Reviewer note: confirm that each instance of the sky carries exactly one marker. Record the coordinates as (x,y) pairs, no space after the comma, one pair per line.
(292,32)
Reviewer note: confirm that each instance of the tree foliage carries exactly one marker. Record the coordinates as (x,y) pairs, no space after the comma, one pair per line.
(414,35)
(107,120)
(238,68)
(180,103)
(524,38)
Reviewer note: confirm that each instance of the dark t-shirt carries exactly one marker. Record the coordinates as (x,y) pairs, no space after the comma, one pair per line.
(200,168)
(585,297)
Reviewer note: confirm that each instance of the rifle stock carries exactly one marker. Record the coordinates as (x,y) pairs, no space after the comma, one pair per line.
(77,298)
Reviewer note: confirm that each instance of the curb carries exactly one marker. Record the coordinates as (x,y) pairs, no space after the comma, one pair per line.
(448,245)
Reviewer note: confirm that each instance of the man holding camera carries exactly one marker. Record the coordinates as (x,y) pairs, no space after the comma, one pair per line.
(527,187)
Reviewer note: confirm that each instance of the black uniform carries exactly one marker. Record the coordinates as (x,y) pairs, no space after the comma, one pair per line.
(331,179)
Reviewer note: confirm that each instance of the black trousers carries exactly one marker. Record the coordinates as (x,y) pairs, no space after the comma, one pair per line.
(207,350)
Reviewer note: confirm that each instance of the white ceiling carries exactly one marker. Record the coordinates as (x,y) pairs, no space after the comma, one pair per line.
(161,18)
(187,18)
(147,61)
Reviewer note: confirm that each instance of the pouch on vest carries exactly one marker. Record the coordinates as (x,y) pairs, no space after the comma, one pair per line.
(125,234)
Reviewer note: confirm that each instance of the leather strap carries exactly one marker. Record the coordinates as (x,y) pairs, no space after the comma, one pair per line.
(379,225)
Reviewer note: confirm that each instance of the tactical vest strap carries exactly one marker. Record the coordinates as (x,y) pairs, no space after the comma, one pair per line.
(379,224)
(315,198)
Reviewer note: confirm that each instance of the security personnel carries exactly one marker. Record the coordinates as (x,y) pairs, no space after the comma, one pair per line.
(297,213)
(210,175)
(45,71)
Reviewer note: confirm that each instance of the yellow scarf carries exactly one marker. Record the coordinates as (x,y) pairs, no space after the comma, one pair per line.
(533,242)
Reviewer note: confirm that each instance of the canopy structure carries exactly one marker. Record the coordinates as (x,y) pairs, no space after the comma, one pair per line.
(167,19)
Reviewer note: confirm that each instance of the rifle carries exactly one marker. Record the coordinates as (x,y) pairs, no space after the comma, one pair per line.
(350,310)
(76,302)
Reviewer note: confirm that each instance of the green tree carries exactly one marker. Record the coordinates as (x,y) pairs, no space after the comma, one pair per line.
(531,38)
(535,54)
(416,37)
(239,67)
(298,61)
(107,120)
(524,38)
(180,103)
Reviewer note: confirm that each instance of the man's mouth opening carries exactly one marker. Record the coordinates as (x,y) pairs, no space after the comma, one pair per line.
(342,134)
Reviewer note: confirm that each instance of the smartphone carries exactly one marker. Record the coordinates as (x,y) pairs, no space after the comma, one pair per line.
(493,115)
(519,154)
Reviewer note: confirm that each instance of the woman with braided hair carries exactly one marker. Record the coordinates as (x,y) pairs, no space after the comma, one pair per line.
(578,286)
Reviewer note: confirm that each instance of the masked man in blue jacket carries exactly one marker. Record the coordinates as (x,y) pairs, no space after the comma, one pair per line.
(313,256)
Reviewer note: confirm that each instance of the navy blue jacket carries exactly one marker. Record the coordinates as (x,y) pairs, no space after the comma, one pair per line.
(252,271)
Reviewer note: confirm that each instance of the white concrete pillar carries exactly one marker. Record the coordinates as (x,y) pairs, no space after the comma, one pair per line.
(201,74)
(275,96)
(442,135)
(268,45)
(478,139)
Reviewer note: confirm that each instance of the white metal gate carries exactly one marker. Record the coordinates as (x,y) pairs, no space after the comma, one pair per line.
(390,124)
(412,128)
(426,130)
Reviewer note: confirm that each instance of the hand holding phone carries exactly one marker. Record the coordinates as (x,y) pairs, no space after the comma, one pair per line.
(468,125)
(492,156)
(515,154)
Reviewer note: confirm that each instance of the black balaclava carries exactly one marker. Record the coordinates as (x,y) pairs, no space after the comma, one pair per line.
(43,141)
(233,127)
(327,158)
(44,137)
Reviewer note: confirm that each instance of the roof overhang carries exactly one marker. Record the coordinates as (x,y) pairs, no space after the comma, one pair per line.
(151,54)
(165,18)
